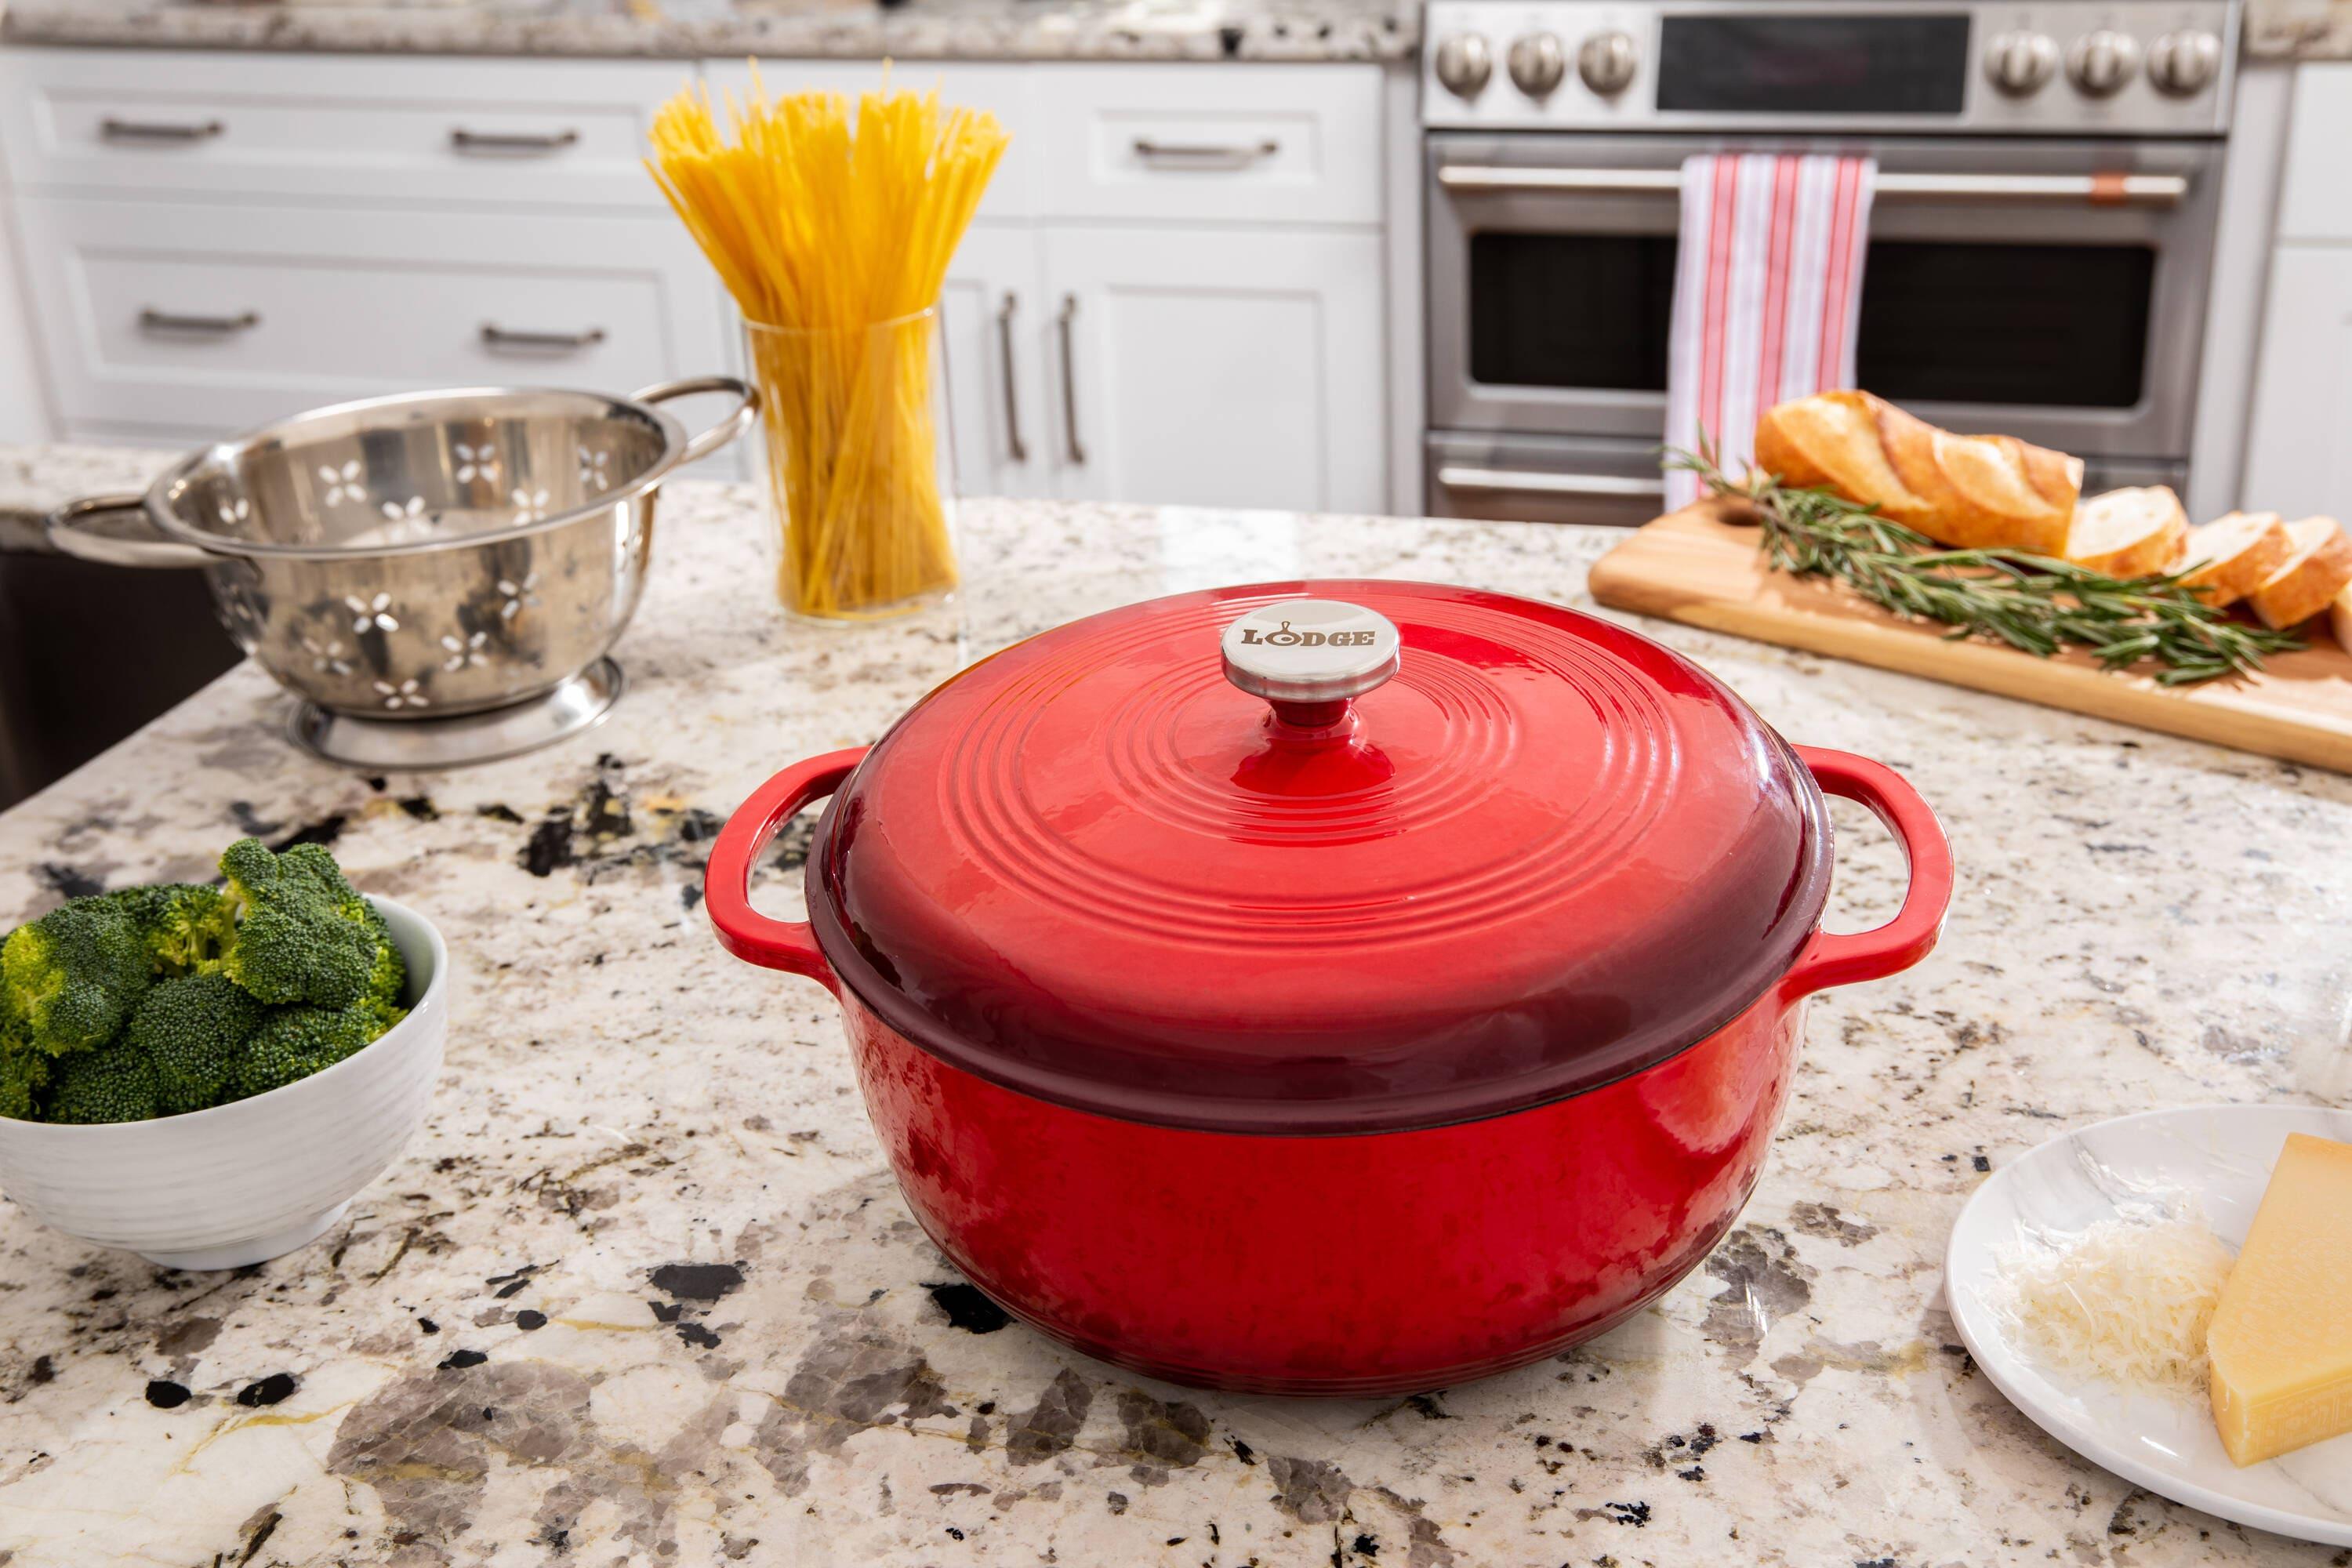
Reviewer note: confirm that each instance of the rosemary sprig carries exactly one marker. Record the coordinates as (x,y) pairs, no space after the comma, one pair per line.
(2029,602)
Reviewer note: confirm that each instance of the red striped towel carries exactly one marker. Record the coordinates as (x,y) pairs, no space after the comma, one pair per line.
(1768,287)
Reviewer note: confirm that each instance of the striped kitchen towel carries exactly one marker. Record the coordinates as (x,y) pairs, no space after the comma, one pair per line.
(1768,287)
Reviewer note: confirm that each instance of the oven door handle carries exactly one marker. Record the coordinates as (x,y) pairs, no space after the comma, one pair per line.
(1526,482)
(2093,190)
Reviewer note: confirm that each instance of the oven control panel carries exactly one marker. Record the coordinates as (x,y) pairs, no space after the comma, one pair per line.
(2130,67)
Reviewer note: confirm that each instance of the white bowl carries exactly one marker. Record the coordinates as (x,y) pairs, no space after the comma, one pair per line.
(257,1178)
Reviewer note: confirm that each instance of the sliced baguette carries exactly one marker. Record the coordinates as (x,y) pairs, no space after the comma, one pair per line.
(2232,556)
(2315,574)
(2129,533)
(2339,616)
(1972,491)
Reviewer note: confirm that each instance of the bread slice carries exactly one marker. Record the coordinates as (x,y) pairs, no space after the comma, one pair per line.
(2129,533)
(2317,570)
(2339,616)
(1971,491)
(2232,556)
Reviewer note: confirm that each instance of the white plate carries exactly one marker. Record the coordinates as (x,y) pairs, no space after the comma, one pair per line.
(2223,1155)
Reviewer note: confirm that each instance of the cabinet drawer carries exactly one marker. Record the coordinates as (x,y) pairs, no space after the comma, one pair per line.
(1251,144)
(188,315)
(2316,196)
(502,132)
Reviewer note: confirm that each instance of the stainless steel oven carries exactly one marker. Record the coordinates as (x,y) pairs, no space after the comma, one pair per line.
(2050,286)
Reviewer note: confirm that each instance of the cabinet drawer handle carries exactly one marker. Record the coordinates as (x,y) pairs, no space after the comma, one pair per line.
(1069,313)
(495,143)
(1207,155)
(1014,447)
(154,321)
(113,130)
(497,337)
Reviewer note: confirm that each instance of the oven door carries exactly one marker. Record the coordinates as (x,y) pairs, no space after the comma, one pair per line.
(2017,287)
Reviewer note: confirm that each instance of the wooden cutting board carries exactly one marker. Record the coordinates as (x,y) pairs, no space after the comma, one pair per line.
(1691,567)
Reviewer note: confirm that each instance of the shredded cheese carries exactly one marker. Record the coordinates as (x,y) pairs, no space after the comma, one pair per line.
(2126,1300)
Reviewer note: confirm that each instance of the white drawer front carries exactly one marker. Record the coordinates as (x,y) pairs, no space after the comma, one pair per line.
(185,316)
(499,133)
(1248,143)
(2316,202)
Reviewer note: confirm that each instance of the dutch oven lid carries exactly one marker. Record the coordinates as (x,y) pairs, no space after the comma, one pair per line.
(1320,857)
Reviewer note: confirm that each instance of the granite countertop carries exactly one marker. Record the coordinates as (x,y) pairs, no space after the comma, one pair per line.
(858,30)
(643,1291)
(37,480)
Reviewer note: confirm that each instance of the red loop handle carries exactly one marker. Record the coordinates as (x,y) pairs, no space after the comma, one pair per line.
(1835,958)
(788,945)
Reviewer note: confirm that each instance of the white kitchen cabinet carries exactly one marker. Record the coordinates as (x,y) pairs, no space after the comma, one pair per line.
(2299,439)
(1228,368)
(366,130)
(229,317)
(992,314)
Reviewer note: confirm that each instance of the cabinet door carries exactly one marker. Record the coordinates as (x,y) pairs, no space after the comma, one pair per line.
(992,313)
(2299,441)
(1241,368)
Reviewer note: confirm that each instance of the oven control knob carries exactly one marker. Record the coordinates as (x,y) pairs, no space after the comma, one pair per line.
(2183,63)
(2100,63)
(1605,63)
(2019,64)
(1537,63)
(1463,64)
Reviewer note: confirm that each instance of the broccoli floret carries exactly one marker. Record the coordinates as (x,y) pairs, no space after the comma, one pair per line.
(193,1030)
(23,1069)
(295,1042)
(293,944)
(73,976)
(387,977)
(186,926)
(114,1082)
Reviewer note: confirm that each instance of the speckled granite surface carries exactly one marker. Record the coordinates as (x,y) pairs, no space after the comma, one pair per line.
(644,1291)
(2299,29)
(37,480)
(919,29)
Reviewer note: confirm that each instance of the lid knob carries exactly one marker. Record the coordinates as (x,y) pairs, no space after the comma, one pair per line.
(1309,656)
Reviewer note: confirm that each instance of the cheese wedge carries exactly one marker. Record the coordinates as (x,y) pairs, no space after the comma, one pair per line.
(2279,1356)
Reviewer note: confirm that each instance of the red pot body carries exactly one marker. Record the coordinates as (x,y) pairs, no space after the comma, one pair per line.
(1383,1263)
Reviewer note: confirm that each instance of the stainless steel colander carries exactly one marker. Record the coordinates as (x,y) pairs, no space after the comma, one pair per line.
(421,556)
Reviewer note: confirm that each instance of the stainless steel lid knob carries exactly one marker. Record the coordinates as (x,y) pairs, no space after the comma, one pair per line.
(2021,63)
(1309,656)
(1605,63)
(1537,63)
(1463,63)
(2102,63)
(2182,64)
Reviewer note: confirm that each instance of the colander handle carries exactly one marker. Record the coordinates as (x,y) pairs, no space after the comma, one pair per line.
(746,408)
(755,938)
(65,530)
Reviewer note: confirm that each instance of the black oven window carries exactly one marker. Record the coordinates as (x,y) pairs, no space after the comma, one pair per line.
(1552,309)
(2059,326)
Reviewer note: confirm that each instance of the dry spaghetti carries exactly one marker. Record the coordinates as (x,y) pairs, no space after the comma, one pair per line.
(832,231)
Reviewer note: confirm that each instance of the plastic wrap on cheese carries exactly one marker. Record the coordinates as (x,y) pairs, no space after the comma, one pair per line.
(2127,1299)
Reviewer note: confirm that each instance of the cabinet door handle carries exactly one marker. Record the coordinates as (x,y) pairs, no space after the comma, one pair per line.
(1207,155)
(1069,313)
(153,320)
(1014,447)
(113,130)
(498,143)
(497,337)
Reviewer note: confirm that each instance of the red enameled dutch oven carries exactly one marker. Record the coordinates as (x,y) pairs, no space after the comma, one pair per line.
(1335,987)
